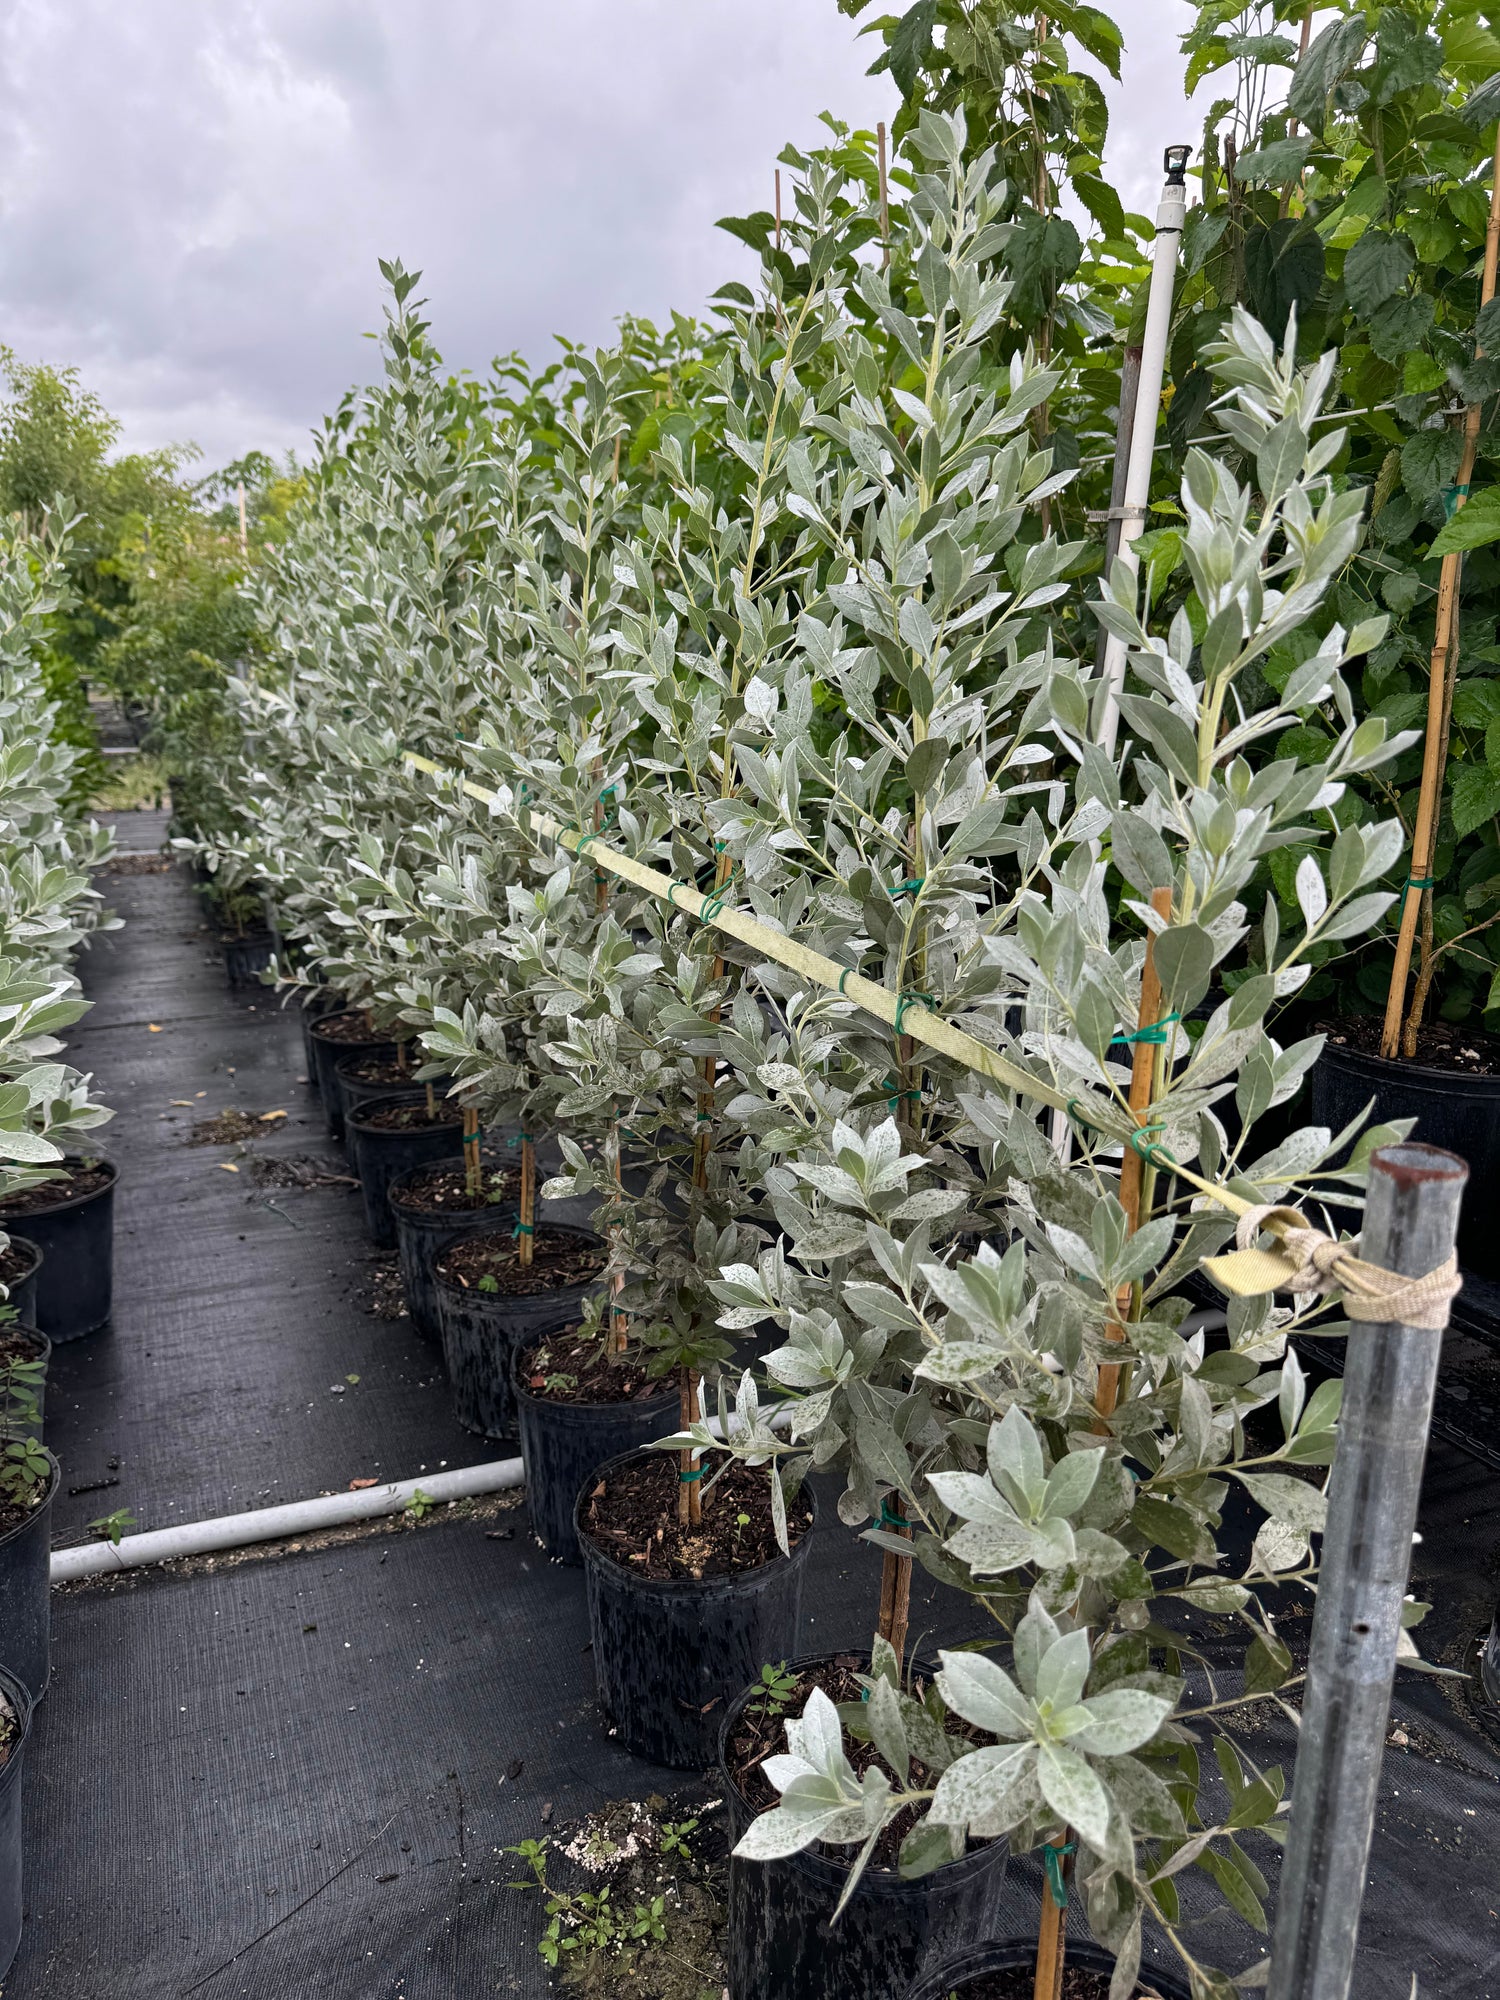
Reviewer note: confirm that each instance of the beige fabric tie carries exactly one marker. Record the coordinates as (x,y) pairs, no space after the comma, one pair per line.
(1304,1260)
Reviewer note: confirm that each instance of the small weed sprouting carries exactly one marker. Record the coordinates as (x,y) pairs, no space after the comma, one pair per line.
(420,1505)
(24,1472)
(674,1837)
(558,1384)
(777,1686)
(488,1284)
(589,1921)
(110,1527)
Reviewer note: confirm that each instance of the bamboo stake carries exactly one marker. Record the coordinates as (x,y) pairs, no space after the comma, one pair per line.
(526,1226)
(473,1174)
(917,1020)
(885,199)
(1052,1931)
(1429,798)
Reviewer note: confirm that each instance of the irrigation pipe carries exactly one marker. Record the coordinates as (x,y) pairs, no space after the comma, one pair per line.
(301,1517)
(272,1524)
(899,1012)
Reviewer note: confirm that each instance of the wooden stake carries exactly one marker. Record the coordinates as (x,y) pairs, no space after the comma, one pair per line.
(473,1173)
(895,1594)
(1429,798)
(526,1231)
(617,1333)
(885,199)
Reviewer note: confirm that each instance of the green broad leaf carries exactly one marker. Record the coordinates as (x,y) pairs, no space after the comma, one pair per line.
(1074,1792)
(1102,203)
(1268,1663)
(1184,957)
(1475,797)
(1273,165)
(1295,1501)
(929,1845)
(1429,459)
(1473,526)
(1235,1887)
(1376,268)
(1173,1528)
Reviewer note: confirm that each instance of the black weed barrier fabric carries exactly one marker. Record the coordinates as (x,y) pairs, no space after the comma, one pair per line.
(291,1775)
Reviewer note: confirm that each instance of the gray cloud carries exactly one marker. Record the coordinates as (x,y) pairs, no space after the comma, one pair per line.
(195,197)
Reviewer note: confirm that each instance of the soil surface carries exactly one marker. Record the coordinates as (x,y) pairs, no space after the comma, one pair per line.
(139,864)
(229,1128)
(399,1117)
(573,1367)
(19,1343)
(64,1186)
(632,1517)
(1440,1044)
(443,1189)
(351,1028)
(1021,1985)
(560,1258)
(383,1070)
(261,940)
(12,1513)
(15,1265)
(10,1729)
(761,1733)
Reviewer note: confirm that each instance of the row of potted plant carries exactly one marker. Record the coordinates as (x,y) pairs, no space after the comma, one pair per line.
(55,1192)
(827,688)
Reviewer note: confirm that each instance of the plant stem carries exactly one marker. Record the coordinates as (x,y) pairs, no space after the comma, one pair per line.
(473,1177)
(1439,682)
(431,1100)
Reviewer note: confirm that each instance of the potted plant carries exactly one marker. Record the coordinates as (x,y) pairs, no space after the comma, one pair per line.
(20,1271)
(15,1727)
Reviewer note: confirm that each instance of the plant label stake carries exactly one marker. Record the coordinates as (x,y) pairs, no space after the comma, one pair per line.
(1170,217)
(1411,1221)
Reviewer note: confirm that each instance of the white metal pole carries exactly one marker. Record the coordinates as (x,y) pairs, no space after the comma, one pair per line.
(1170,216)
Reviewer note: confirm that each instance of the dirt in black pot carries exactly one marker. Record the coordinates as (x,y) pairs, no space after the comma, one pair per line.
(75,1179)
(443,1189)
(260,940)
(560,1258)
(632,1516)
(761,1733)
(16,1264)
(19,1343)
(353,1029)
(10,1731)
(1020,1984)
(574,1367)
(406,1117)
(1440,1044)
(385,1070)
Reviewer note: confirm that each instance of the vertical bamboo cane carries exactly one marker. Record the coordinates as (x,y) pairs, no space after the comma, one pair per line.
(885,198)
(1429,798)
(1052,1935)
(473,1174)
(526,1226)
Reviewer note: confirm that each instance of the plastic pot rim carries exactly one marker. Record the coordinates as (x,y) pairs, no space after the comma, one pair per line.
(23,1706)
(679,1586)
(337,1014)
(359,1112)
(14,1534)
(76,1200)
(505,1227)
(528,1395)
(1014,1954)
(38,1255)
(1396,1067)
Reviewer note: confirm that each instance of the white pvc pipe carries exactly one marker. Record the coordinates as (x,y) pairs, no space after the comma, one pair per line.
(271,1524)
(1170,217)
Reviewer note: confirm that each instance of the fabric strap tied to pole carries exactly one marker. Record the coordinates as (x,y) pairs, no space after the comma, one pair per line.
(1304,1259)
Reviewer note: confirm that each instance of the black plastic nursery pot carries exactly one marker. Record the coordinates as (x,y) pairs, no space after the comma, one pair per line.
(76,1236)
(385,1080)
(16,1698)
(337,1034)
(311,1007)
(670,1651)
(563,1443)
(422,1232)
(246,958)
(1456,1109)
(390,1136)
(26,1593)
(968,1974)
(779,1944)
(481,1332)
(20,1273)
(34,1346)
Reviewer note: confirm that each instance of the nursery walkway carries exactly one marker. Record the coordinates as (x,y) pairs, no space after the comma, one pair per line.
(290,1774)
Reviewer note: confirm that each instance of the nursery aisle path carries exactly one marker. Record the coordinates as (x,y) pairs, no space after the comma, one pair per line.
(289,1775)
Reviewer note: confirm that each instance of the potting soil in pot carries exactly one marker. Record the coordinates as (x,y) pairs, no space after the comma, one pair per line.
(560,1259)
(570,1367)
(632,1517)
(443,1189)
(66,1185)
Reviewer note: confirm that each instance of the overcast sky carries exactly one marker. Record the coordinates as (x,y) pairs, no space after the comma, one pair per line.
(193,193)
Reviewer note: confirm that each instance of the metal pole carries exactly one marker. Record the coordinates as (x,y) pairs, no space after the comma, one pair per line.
(1170,217)
(1411,1221)
(1130,383)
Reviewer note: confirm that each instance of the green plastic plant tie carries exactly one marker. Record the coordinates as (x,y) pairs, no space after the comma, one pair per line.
(714,903)
(896,1095)
(1056,1881)
(1451,497)
(842,977)
(523,1229)
(910,887)
(1421,881)
(687,1478)
(1156,1032)
(910,997)
(1139,1141)
(890,1520)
